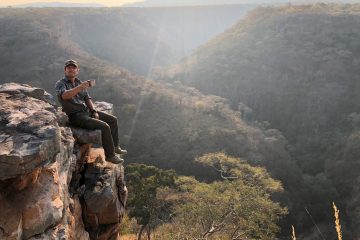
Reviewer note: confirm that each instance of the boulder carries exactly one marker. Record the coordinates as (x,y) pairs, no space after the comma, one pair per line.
(29,134)
(42,202)
(35,202)
(105,194)
(38,93)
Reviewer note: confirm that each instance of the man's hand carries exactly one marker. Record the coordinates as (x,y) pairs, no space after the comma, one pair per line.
(68,94)
(85,85)
(95,115)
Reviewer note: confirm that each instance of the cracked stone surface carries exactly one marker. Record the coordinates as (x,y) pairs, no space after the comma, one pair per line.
(41,161)
(29,133)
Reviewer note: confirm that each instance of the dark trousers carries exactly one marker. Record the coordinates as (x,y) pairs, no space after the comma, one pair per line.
(106,123)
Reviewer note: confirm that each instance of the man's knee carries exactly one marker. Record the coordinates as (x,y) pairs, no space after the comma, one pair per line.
(113,119)
(108,118)
(104,126)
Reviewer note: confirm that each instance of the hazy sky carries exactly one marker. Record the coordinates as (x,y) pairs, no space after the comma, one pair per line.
(104,2)
(111,3)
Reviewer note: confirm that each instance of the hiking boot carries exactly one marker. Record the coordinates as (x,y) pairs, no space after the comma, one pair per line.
(118,150)
(115,159)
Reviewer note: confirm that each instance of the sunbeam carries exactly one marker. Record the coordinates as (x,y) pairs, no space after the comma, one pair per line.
(145,85)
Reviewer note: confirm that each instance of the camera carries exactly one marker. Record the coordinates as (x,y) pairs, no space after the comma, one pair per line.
(92,82)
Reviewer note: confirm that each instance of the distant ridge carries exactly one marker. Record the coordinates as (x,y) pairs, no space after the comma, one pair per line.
(57,4)
(167,3)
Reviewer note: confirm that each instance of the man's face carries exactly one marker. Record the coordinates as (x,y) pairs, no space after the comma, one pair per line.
(71,71)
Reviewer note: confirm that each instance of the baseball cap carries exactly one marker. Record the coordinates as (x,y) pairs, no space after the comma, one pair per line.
(71,62)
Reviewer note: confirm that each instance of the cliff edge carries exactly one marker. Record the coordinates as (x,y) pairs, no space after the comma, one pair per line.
(53,183)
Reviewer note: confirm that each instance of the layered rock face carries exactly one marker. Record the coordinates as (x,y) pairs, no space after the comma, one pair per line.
(53,183)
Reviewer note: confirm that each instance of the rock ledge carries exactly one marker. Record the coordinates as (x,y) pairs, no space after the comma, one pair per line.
(42,166)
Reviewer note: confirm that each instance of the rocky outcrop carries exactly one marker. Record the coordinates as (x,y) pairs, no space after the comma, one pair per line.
(104,194)
(30,135)
(53,185)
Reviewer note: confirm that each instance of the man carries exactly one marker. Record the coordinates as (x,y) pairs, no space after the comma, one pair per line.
(76,102)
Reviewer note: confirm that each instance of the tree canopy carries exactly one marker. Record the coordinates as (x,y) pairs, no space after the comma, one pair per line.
(237,207)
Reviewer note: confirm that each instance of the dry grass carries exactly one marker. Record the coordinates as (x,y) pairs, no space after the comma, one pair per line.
(129,237)
(337,222)
(293,236)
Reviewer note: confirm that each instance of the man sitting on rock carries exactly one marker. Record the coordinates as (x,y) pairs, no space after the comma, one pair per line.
(77,104)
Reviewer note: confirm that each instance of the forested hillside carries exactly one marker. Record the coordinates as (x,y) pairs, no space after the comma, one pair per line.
(140,39)
(296,67)
(162,3)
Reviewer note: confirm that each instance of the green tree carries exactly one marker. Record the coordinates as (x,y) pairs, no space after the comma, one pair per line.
(147,201)
(237,207)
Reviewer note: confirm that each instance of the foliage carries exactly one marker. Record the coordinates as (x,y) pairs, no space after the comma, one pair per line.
(304,82)
(236,208)
(231,168)
(147,202)
(295,67)
(128,225)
